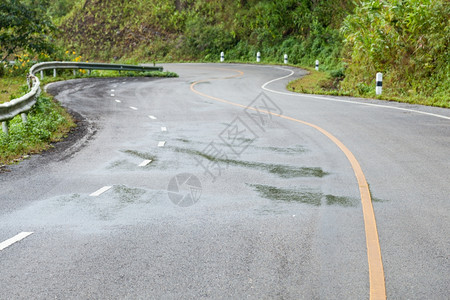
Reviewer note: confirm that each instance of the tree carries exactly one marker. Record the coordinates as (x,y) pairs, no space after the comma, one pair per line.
(24,27)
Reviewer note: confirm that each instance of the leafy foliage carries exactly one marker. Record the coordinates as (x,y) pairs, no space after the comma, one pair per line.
(188,30)
(23,27)
(407,40)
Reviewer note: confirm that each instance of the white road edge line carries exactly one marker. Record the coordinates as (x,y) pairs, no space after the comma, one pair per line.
(163,128)
(133,108)
(161,144)
(14,239)
(145,162)
(152,117)
(345,101)
(100,191)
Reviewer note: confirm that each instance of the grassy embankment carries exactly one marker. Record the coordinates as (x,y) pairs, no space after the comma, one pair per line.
(326,83)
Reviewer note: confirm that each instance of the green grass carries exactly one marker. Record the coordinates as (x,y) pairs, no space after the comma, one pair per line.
(323,83)
(10,87)
(47,122)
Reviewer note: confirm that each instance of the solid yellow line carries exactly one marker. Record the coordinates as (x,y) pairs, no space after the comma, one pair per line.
(376,272)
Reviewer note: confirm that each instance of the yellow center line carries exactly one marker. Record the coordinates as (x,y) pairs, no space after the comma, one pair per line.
(376,272)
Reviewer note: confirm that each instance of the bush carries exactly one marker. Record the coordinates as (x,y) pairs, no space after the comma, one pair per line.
(407,40)
(47,122)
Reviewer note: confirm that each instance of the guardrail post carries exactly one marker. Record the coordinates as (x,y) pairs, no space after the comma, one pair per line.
(5,127)
(258,56)
(89,72)
(42,74)
(222,56)
(285,58)
(24,117)
(317,65)
(74,72)
(379,80)
(54,72)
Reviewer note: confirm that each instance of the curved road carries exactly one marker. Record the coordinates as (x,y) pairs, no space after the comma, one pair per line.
(222,184)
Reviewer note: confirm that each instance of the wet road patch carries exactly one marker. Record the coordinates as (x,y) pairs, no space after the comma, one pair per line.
(283,171)
(302,196)
(142,155)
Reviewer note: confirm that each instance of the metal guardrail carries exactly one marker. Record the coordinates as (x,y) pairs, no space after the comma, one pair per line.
(23,104)
(89,66)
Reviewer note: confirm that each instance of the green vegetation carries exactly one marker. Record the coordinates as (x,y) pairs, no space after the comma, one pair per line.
(406,40)
(10,87)
(47,122)
(189,30)
(24,27)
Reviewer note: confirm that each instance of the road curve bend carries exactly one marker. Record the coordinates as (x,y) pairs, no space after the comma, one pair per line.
(223,184)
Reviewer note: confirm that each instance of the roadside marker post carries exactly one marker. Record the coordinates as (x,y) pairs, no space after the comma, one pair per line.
(258,57)
(317,65)
(285,58)
(379,80)
(5,127)
(222,56)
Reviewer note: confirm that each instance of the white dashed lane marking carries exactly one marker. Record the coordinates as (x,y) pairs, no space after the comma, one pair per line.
(152,117)
(133,108)
(112,95)
(161,144)
(145,162)
(14,239)
(163,128)
(118,101)
(100,191)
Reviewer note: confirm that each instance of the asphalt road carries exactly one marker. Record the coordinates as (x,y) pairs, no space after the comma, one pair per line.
(235,203)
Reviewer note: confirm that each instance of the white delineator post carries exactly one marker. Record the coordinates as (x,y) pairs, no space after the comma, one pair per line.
(285,58)
(222,56)
(379,87)
(317,65)
(258,56)
(5,127)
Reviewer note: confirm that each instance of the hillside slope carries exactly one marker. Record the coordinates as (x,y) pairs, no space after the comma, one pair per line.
(407,40)
(187,30)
